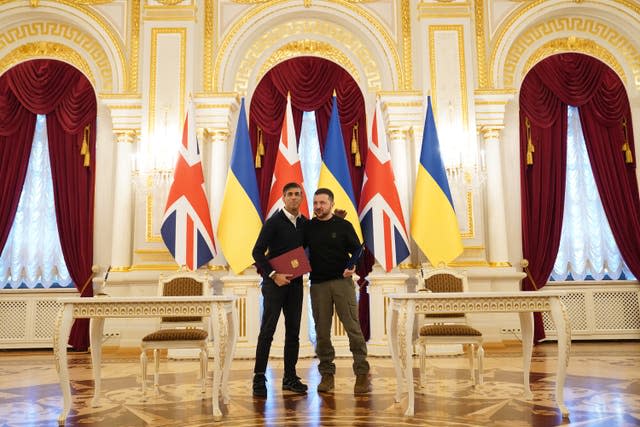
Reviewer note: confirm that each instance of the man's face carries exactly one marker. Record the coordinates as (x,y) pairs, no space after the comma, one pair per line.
(292,199)
(322,206)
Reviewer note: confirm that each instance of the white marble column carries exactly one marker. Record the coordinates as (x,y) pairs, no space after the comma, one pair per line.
(498,253)
(402,168)
(121,246)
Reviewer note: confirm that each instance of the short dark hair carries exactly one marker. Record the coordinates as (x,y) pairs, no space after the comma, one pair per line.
(289,186)
(324,191)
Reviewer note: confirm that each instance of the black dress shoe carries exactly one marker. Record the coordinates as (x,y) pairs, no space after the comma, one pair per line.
(259,385)
(294,384)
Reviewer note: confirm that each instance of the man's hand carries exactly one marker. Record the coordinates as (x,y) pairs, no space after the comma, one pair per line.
(342,213)
(348,272)
(281,279)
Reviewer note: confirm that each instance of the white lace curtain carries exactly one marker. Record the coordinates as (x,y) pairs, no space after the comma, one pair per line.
(32,256)
(587,247)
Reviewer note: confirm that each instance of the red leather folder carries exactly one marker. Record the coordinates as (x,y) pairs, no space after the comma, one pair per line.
(294,262)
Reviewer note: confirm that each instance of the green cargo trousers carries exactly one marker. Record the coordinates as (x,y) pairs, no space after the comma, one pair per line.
(338,293)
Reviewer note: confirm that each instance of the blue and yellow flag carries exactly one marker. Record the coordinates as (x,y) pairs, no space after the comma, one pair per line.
(434,225)
(334,171)
(240,221)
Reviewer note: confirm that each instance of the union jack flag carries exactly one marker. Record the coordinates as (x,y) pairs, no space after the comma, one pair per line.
(381,217)
(186,227)
(287,168)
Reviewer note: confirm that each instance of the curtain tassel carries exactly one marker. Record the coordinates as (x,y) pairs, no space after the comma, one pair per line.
(84,150)
(355,148)
(628,157)
(259,150)
(530,147)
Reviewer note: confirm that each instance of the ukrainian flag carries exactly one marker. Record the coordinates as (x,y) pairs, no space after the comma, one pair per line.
(240,221)
(434,225)
(334,171)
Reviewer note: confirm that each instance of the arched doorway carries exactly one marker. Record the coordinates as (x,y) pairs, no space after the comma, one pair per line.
(554,84)
(59,91)
(311,83)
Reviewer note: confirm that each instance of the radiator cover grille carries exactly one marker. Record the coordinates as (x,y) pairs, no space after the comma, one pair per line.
(599,311)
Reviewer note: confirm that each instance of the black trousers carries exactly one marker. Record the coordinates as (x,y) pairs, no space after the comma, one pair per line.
(288,300)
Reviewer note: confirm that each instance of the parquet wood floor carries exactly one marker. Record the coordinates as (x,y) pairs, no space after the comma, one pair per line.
(602,390)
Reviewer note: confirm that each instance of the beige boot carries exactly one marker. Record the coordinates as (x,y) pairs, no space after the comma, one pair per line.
(327,384)
(362,384)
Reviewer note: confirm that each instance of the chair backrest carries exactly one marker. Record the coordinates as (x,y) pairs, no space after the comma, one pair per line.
(444,280)
(183,284)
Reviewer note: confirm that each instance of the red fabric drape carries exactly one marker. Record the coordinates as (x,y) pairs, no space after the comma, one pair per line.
(552,85)
(17,125)
(311,82)
(67,98)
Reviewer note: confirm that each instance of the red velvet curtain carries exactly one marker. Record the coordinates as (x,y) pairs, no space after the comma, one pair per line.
(62,93)
(17,125)
(311,82)
(553,84)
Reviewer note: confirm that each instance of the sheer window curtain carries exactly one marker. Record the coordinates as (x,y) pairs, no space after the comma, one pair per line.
(24,263)
(587,247)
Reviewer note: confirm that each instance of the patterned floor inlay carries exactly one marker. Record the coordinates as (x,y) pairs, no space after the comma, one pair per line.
(602,389)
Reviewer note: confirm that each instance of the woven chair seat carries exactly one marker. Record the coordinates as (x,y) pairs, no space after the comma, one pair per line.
(444,330)
(176,335)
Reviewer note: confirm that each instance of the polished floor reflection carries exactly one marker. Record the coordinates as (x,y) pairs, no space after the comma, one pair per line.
(602,389)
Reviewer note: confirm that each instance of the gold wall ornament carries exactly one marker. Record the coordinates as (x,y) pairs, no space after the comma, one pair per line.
(407,55)
(51,50)
(329,31)
(169,2)
(134,47)
(596,29)
(74,36)
(481,43)
(208,44)
(341,36)
(573,44)
(307,48)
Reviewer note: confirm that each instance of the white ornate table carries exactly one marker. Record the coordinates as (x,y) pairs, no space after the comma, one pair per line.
(404,307)
(220,308)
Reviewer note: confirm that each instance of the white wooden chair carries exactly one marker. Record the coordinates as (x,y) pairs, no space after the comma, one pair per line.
(178,332)
(448,328)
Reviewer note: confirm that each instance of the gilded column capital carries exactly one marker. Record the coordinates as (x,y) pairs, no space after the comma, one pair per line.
(126,136)
(397,134)
(490,133)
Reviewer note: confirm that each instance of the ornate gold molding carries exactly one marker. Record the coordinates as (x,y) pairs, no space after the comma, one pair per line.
(459,29)
(47,50)
(596,29)
(269,8)
(304,28)
(134,47)
(182,32)
(308,48)
(481,43)
(407,55)
(571,44)
(208,44)
(74,36)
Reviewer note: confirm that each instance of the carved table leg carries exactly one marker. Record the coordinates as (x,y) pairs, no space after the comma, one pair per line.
(406,352)
(563,328)
(526,325)
(96,328)
(60,339)
(392,328)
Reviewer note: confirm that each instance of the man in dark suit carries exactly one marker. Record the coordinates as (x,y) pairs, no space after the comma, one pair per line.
(282,232)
